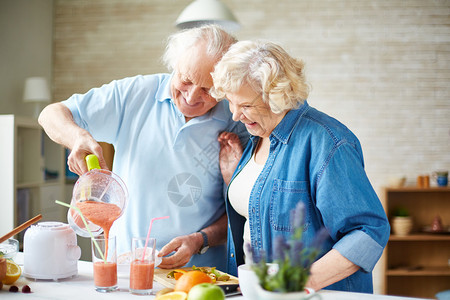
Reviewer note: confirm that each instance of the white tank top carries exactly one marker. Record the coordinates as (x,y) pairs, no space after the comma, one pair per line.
(239,193)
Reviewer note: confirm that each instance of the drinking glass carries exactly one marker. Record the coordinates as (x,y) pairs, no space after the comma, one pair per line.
(142,267)
(104,259)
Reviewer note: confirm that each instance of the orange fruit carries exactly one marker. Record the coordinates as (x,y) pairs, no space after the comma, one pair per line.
(178,272)
(172,296)
(190,279)
(13,272)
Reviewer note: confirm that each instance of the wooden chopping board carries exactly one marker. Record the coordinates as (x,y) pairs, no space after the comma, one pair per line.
(161,277)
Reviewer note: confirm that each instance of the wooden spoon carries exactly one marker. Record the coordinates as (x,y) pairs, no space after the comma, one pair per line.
(20,228)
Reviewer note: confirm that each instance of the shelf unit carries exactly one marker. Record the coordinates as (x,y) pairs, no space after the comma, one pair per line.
(418,264)
(32,174)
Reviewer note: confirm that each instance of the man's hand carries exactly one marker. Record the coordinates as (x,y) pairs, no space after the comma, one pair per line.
(58,123)
(84,145)
(229,155)
(184,247)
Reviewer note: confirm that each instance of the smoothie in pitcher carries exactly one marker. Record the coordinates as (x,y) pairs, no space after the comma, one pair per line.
(100,213)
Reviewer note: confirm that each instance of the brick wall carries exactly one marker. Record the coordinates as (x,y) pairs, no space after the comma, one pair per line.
(381,67)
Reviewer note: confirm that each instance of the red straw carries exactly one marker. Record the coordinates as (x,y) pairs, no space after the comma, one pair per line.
(148,234)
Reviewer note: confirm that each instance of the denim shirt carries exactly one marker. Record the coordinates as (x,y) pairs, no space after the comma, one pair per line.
(317,160)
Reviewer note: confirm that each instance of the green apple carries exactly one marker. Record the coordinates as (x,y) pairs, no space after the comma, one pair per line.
(206,291)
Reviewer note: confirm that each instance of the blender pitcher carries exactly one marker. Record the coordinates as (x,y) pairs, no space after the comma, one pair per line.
(96,185)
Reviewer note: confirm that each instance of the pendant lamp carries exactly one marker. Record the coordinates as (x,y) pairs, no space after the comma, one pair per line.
(201,12)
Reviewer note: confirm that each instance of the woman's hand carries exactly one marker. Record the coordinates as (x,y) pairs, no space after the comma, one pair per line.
(330,268)
(229,155)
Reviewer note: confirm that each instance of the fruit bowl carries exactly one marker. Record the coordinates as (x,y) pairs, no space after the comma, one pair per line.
(9,248)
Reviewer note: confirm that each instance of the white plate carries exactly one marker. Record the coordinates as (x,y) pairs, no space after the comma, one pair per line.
(124,261)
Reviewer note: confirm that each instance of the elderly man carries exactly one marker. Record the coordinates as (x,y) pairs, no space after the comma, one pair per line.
(164,130)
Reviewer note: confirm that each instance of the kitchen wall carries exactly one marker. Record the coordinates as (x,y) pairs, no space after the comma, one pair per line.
(381,67)
(26,32)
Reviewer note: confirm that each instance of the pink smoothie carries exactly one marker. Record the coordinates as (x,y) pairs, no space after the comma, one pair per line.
(105,274)
(141,275)
(100,213)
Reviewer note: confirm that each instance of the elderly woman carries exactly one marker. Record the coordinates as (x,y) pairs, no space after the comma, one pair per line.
(296,153)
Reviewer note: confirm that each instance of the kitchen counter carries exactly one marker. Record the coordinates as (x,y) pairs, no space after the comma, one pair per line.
(82,286)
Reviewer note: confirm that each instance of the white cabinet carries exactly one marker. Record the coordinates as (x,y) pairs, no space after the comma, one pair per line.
(32,173)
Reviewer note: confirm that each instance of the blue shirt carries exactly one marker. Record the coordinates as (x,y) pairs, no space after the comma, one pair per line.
(170,167)
(314,159)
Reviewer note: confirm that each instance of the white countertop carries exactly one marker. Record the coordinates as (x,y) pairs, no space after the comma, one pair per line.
(82,286)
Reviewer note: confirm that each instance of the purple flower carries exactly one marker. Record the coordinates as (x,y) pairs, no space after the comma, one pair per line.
(297,216)
(258,255)
(320,238)
(280,247)
(296,253)
(249,251)
(293,256)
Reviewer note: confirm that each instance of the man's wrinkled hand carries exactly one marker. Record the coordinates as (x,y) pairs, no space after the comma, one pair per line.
(83,146)
(184,247)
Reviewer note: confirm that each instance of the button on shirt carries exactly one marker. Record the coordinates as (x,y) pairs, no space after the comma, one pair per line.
(170,167)
(314,159)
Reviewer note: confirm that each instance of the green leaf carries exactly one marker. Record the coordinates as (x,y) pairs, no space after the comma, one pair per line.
(171,274)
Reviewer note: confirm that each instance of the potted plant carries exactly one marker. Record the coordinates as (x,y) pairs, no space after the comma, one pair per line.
(401,222)
(293,259)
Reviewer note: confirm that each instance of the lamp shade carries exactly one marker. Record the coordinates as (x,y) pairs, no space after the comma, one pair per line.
(201,12)
(36,90)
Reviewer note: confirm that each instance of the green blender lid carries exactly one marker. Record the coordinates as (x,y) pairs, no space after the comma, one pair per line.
(92,162)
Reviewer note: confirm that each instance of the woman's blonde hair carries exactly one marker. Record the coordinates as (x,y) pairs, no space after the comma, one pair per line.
(267,68)
(218,41)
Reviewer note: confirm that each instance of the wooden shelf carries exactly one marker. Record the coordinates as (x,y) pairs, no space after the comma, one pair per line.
(24,190)
(27,185)
(420,237)
(415,189)
(417,264)
(51,182)
(419,271)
